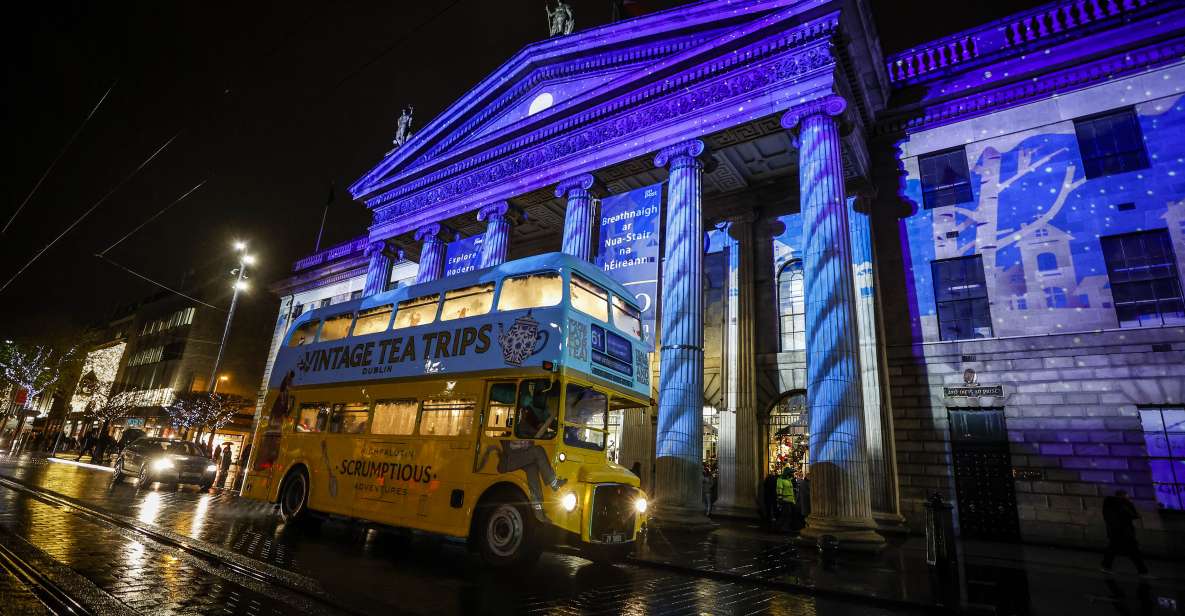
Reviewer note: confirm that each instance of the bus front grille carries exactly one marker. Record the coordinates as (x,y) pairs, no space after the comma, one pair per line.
(613,515)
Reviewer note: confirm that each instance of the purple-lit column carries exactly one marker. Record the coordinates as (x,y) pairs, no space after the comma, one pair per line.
(840,493)
(431,253)
(578,218)
(378,271)
(679,448)
(496,242)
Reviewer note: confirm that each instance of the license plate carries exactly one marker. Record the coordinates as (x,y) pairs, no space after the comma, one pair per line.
(613,538)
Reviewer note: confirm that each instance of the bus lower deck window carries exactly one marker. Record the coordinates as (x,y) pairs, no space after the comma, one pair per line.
(312,418)
(500,410)
(589,298)
(416,311)
(538,408)
(447,417)
(467,302)
(305,333)
(395,416)
(373,320)
(531,291)
(585,417)
(349,418)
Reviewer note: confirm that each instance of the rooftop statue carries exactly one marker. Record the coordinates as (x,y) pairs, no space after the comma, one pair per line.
(403,126)
(560,21)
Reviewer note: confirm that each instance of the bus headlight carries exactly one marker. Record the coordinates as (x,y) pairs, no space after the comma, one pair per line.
(162,464)
(640,505)
(568,502)
(561,456)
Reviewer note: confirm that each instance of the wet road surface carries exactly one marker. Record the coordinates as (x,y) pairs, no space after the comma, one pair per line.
(164,551)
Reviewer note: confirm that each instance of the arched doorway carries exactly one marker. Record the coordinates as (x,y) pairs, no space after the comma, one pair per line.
(787,433)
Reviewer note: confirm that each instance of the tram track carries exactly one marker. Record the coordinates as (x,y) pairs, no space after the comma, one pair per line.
(237,566)
(54,597)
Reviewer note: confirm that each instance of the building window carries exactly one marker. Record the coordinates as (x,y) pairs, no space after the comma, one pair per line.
(962,299)
(1144,281)
(945,179)
(1055,297)
(1164,440)
(791,310)
(1046,262)
(1111,143)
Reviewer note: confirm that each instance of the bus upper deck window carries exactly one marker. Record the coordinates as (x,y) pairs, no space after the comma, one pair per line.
(531,291)
(416,311)
(467,302)
(349,418)
(336,327)
(395,416)
(373,320)
(305,333)
(627,318)
(589,298)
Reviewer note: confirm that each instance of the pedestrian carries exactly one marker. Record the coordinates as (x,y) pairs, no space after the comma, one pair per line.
(709,487)
(217,455)
(787,501)
(245,456)
(223,463)
(769,498)
(88,444)
(1119,515)
(804,496)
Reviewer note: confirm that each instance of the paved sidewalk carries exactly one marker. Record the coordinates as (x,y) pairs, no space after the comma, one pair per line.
(995,578)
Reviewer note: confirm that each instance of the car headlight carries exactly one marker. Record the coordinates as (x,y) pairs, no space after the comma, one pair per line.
(568,501)
(211,469)
(640,505)
(162,464)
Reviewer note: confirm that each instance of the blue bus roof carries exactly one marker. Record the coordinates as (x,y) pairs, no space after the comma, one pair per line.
(552,261)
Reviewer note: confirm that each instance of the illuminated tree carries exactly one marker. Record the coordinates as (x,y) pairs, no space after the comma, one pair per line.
(189,410)
(34,369)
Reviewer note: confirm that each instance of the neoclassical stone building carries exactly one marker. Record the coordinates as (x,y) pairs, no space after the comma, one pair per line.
(897,274)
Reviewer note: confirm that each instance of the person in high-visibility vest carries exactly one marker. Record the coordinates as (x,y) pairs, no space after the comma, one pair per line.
(787,503)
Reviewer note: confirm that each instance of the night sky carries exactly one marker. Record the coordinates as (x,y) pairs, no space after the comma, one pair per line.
(273,102)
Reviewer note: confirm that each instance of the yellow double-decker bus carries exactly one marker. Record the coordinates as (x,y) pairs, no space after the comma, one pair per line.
(474,406)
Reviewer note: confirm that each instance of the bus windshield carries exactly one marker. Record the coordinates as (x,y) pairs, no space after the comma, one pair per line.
(586,414)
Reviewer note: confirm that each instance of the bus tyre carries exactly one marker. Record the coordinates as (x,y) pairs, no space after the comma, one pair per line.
(506,534)
(609,554)
(294,497)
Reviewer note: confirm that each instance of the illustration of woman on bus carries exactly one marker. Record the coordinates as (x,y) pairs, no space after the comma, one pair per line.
(536,419)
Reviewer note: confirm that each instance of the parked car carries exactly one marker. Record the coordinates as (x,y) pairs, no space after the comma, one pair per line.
(164,460)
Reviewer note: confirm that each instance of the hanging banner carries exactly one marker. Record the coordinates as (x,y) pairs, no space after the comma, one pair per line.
(628,250)
(463,255)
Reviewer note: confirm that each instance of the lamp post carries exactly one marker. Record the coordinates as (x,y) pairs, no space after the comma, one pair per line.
(221,379)
(240,285)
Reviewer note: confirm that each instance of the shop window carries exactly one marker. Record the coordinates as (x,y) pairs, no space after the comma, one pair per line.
(961,298)
(305,333)
(531,291)
(1164,440)
(395,416)
(627,318)
(416,311)
(1111,143)
(467,302)
(312,418)
(350,418)
(589,298)
(447,417)
(791,308)
(787,433)
(336,327)
(585,417)
(945,179)
(1144,280)
(373,320)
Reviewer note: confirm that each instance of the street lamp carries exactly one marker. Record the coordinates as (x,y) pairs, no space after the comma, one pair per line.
(240,285)
(221,379)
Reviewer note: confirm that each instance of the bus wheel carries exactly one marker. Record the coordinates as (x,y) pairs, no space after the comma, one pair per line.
(294,497)
(506,534)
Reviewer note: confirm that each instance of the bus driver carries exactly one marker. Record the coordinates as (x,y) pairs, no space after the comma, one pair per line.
(535,420)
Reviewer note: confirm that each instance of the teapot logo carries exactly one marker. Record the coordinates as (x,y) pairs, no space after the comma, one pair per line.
(523,339)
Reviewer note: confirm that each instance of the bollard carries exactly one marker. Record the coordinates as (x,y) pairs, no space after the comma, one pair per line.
(941,551)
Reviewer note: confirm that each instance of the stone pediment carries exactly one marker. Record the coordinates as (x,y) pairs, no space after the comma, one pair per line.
(705,66)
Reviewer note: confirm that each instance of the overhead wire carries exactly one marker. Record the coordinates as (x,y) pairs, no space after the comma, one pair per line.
(133,272)
(152,218)
(61,153)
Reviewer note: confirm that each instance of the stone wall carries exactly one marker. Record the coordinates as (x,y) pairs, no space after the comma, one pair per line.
(1071,405)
